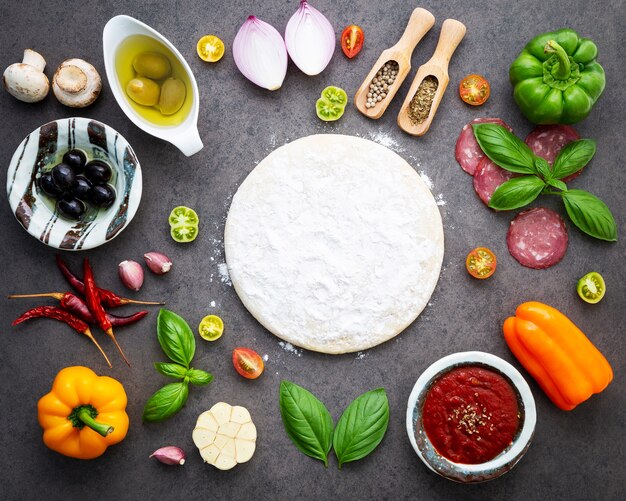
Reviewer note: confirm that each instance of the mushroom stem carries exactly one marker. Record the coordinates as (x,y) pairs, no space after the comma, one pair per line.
(34,59)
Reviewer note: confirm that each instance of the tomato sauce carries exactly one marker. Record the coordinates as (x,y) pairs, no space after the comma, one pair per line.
(471,414)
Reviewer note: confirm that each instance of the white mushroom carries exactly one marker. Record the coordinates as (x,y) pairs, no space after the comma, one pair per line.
(26,80)
(76,83)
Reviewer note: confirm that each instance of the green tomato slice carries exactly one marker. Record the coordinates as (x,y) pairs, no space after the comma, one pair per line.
(591,287)
(183,216)
(335,95)
(184,233)
(328,111)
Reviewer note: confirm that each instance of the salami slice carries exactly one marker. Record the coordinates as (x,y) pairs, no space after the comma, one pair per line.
(546,141)
(537,238)
(467,151)
(488,177)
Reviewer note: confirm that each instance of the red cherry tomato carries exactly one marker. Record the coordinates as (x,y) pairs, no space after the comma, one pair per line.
(481,263)
(247,363)
(352,40)
(474,90)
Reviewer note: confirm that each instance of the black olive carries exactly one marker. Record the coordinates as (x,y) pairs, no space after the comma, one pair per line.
(98,172)
(102,195)
(63,176)
(48,186)
(82,187)
(76,159)
(71,208)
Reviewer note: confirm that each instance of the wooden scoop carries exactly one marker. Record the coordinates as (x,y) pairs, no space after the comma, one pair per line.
(420,22)
(452,32)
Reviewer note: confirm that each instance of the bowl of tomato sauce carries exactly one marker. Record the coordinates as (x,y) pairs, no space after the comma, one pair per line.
(471,417)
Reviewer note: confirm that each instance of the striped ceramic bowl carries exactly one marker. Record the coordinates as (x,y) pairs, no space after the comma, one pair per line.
(44,148)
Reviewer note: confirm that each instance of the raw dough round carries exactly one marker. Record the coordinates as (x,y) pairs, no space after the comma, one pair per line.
(334,243)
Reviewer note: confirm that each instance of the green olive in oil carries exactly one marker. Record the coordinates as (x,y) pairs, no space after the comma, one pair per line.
(127,53)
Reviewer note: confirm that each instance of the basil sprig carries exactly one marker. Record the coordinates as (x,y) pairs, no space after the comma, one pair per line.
(178,343)
(309,425)
(585,210)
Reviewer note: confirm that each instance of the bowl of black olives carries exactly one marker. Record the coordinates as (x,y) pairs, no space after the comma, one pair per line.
(74,183)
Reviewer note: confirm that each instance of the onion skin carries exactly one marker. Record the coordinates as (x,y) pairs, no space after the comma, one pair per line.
(260,54)
(310,39)
(170,455)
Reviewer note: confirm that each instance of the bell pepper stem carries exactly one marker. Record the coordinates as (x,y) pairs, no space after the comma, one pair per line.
(563,70)
(84,415)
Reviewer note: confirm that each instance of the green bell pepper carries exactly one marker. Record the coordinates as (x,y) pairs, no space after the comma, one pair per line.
(556,78)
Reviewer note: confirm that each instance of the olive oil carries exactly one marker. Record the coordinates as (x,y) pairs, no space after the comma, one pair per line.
(130,48)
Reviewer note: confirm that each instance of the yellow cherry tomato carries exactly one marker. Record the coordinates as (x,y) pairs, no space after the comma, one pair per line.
(211,328)
(210,48)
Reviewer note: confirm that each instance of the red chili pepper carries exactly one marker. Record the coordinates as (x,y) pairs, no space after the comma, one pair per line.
(107,298)
(95,307)
(63,316)
(77,306)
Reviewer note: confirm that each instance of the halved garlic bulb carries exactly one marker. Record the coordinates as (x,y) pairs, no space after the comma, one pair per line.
(225,435)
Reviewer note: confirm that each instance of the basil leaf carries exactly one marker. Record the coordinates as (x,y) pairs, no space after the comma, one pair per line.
(171,370)
(175,337)
(516,193)
(557,184)
(362,426)
(590,214)
(543,168)
(573,157)
(166,402)
(199,377)
(307,421)
(504,148)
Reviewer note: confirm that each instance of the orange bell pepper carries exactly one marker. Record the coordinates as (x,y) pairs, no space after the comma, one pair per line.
(83,414)
(567,366)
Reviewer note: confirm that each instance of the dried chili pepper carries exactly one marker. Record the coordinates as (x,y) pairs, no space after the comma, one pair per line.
(63,316)
(107,297)
(77,306)
(95,306)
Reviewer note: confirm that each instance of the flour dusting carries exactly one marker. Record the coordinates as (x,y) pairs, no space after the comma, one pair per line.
(361,355)
(290,348)
(427,181)
(212,304)
(222,269)
(386,140)
(439,199)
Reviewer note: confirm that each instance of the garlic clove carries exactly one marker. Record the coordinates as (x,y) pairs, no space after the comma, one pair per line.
(157,262)
(131,274)
(171,455)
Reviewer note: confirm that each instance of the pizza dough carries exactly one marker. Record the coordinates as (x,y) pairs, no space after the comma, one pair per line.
(334,243)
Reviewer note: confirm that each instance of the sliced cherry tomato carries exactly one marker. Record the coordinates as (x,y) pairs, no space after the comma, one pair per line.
(184,234)
(247,363)
(211,328)
(474,90)
(481,263)
(352,40)
(182,215)
(328,111)
(591,287)
(210,48)
(335,95)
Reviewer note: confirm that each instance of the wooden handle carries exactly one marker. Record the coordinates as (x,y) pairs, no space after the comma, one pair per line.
(420,22)
(452,32)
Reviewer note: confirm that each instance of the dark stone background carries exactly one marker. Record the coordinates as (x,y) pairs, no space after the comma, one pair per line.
(574,455)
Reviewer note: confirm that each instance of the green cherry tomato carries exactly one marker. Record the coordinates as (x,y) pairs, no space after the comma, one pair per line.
(327,111)
(183,216)
(335,95)
(184,233)
(591,287)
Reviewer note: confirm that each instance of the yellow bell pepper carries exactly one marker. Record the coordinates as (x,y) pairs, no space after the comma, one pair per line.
(83,414)
(567,366)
